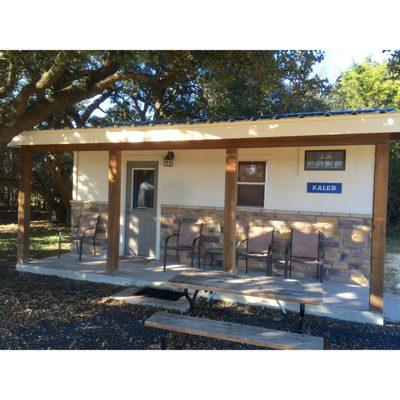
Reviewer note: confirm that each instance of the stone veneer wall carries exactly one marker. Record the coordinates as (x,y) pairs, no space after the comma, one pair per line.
(347,237)
(78,208)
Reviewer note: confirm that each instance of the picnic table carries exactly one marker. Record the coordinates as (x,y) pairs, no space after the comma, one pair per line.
(265,287)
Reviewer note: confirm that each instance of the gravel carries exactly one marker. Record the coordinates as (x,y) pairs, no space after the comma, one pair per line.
(42,312)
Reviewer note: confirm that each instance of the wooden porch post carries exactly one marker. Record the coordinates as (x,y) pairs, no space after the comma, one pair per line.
(230,208)
(114,200)
(379,226)
(24,207)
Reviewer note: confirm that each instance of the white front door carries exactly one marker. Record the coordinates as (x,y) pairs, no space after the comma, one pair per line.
(141,208)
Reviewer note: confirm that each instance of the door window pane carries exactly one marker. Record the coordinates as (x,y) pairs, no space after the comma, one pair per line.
(251,195)
(143,188)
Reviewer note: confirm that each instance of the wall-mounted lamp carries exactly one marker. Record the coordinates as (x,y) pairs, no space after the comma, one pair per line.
(169,159)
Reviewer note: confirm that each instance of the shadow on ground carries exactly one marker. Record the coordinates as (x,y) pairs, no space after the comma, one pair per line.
(42,312)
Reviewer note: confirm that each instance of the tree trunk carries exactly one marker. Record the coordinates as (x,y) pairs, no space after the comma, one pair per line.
(58,172)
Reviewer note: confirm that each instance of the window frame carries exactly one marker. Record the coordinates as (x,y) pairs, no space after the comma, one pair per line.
(264,183)
(343,151)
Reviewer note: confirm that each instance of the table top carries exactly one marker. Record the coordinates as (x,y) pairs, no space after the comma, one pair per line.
(267,287)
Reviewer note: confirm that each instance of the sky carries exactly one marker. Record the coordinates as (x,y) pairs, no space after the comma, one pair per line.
(336,61)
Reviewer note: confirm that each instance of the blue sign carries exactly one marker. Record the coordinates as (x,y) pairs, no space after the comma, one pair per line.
(322,187)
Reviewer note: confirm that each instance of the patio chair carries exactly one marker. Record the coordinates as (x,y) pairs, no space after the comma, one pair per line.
(86,230)
(212,249)
(258,246)
(188,238)
(304,248)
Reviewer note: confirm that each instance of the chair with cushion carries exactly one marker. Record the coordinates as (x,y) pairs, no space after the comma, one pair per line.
(258,245)
(304,248)
(85,231)
(188,238)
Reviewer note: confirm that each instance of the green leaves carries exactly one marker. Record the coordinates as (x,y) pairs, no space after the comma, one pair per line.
(375,85)
(40,86)
(367,85)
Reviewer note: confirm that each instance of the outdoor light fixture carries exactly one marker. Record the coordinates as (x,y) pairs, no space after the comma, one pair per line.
(169,159)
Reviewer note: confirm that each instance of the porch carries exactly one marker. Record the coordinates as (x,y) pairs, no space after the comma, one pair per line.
(344,301)
(104,181)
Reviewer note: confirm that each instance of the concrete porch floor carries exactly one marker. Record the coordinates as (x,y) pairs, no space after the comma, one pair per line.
(341,301)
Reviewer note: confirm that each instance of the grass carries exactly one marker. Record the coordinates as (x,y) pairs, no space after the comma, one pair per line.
(44,241)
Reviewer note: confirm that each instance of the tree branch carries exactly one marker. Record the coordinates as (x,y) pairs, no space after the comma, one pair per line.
(94,106)
(57,70)
(26,115)
(10,80)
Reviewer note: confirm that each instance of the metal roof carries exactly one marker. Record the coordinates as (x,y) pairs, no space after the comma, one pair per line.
(253,118)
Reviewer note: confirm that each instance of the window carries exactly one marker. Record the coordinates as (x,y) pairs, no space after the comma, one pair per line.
(251,183)
(143,188)
(325,160)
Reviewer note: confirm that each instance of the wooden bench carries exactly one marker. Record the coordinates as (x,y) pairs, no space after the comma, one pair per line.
(233,332)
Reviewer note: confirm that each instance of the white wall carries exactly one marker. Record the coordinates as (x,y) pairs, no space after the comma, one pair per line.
(197,178)
(357,179)
(287,182)
(91,176)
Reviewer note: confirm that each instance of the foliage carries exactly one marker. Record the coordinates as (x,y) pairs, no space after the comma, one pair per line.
(221,84)
(372,84)
(276,82)
(367,85)
(50,89)
(394,184)
(8,166)
(394,63)
(63,89)
(51,186)
(393,239)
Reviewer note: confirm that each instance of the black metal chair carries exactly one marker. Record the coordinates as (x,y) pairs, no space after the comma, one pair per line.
(304,248)
(188,238)
(258,246)
(212,249)
(85,231)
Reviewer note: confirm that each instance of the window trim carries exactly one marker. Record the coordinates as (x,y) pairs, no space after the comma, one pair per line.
(255,183)
(325,151)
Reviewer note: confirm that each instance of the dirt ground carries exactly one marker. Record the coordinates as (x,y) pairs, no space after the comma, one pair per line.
(42,312)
